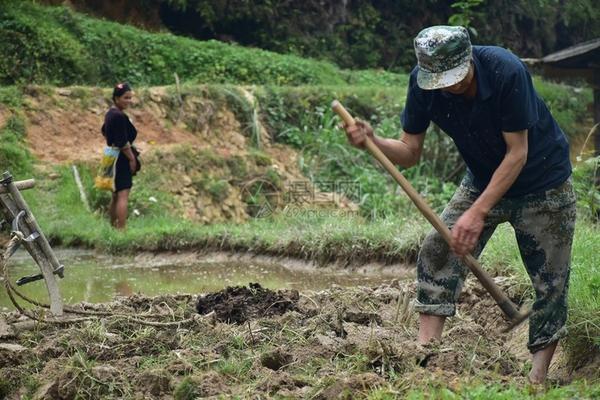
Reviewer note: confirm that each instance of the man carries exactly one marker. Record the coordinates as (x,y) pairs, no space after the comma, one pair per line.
(518,171)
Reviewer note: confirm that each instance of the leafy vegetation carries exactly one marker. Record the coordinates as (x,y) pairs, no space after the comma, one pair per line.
(465,13)
(301,117)
(569,105)
(378,34)
(391,231)
(14,154)
(495,392)
(58,46)
(588,193)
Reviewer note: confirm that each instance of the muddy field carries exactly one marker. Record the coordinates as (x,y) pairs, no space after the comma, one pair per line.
(252,342)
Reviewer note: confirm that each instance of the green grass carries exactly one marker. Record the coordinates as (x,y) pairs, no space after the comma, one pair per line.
(502,257)
(14,153)
(301,117)
(576,390)
(569,105)
(584,317)
(311,234)
(57,46)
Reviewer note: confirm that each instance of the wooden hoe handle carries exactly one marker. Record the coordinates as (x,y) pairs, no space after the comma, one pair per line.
(486,280)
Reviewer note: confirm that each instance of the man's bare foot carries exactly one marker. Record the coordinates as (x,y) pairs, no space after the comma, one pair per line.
(540,362)
(430,327)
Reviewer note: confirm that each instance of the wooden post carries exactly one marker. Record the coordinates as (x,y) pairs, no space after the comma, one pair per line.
(82,195)
(178,87)
(179,98)
(39,249)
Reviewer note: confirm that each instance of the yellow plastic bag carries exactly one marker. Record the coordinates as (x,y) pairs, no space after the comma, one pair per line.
(105,180)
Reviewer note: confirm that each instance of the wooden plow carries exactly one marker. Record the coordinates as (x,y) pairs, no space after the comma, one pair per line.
(25,231)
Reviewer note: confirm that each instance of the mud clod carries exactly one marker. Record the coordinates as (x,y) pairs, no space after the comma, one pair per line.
(48,391)
(276,359)
(199,386)
(362,318)
(180,367)
(237,304)
(154,383)
(12,354)
(281,383)
(350,388)
(105,372)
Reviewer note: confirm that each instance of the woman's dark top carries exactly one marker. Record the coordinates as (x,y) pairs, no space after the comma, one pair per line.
(118,131)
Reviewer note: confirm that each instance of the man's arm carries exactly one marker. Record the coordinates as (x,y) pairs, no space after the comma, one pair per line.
(467,229)
(405,151)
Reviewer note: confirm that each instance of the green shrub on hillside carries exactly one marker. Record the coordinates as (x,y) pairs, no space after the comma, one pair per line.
(14,153)
(58,46)
(588,193)
(11,97)
(569,105)
(36,48)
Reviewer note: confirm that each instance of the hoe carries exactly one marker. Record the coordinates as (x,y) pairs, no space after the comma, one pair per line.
(507,306)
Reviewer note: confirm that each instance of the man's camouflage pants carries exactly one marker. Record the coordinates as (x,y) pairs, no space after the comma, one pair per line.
(544,224)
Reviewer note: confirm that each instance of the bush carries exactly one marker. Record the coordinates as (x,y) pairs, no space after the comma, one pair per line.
(55,45)
(302,118)
(585,182)
(14,154)
(36,48)
(568,105)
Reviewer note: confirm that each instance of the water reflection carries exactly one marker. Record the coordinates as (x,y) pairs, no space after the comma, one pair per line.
(97,278)
(123,289)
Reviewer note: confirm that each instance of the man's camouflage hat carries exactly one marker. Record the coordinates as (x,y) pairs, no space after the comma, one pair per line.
(443,54)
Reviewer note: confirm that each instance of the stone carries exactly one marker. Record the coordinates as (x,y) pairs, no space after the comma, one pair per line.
(64,92)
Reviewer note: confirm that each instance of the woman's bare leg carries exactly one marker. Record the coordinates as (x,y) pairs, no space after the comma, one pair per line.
(121,208)
(112,209)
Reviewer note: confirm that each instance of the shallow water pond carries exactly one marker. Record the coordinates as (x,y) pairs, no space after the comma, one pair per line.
(94,277)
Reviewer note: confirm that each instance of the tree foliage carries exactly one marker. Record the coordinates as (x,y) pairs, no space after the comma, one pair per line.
(58,46)
(378,33)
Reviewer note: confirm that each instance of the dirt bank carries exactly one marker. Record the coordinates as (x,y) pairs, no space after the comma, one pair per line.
(195,142)
(339,343)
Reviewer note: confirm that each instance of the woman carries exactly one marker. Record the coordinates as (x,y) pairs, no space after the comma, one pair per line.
(120,133)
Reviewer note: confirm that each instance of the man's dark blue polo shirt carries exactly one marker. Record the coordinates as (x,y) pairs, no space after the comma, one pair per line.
(505,101)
